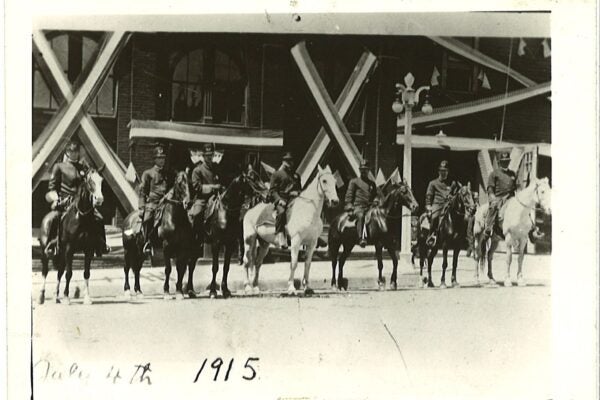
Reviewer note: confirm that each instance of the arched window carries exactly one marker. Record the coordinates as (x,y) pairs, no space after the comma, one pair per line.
(74,51)
(208,86)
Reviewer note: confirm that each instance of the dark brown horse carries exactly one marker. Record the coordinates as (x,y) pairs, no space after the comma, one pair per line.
(223,227)
(451,233)
(77,232)
(383,227)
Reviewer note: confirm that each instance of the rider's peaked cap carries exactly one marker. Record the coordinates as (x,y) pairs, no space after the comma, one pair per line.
(444,165)
(364,164)
(208,149)
(159,152)
(287,156)
(504,156)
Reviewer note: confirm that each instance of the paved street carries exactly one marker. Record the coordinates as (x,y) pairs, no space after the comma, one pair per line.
(469,342)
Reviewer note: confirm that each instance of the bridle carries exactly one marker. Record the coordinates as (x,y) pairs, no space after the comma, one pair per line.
(320,188)
(402,215)
(85,186)
(536,198)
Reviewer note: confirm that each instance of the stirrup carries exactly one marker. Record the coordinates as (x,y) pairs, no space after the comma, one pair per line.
(50,250)
(431,240)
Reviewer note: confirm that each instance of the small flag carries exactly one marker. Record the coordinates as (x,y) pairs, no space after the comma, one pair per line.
(485,83)
(434,77)
(131,174)
(380,180)
(522,45)
(268,169)
(217,156)
(546,47)
(339,182)
(395,177)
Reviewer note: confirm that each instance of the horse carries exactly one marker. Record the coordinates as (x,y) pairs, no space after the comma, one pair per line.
(77,231)
(133,245)
(516,227)
(451,233)
(383,225)
(304,226)
(225,228)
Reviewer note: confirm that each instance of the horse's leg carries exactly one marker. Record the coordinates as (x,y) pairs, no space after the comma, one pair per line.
(216,247)
(126,267)
(509,249)
(520,279)
(491,248)
(168,268)
(69,271)
(181,266)
(455,254)
(60,270)
(393,252)
(45,268)
(422,248)
(334,251)
(249,251)
(444,266)
(343,282)
(293,264)
(310,249)
(226,260)
(380,278)
(87,262)
(189,288)
(263,249)
(138,262)
(432,252)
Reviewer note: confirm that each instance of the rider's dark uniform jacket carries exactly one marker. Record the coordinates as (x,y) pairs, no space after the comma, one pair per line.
(202,174)
(283,182)
(502,183)
(154,185)
(437,192)
(360,194)
(66,178)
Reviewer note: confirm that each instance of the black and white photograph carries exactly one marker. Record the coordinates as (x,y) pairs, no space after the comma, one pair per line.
(295,205)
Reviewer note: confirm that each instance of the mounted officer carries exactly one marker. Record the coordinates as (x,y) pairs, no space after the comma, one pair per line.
(155,183)
(502,184)
(204,183)
(285,185)
(435,199)
(360,195)
(65,179)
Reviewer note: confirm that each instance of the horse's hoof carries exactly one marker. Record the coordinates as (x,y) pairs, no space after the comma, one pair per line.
(179,296)
(213,294)
(256,290)
(521,282)
(87,301)
(309,292)
(191,294)
(167,296)
(344,284)
(77,292)
(41,299)
(66,300)
(507,283)
(58,301)
(226,293)
(127,295)
(335,287)
(492,283)
(394,286)
(248,289)
(291,290)
(139,294)
(443,285)
(455,285)
(430,284)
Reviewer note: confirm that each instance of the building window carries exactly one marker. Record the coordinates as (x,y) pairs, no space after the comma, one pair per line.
(73,52)
(208,86)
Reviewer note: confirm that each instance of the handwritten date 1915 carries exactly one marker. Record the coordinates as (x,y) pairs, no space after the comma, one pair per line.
(249,369)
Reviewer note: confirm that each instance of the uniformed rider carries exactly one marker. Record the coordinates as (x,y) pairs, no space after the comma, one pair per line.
(361,193)
(285,185)
(65,179)
(155,183)
(502,184)
(436,197)
(204,183)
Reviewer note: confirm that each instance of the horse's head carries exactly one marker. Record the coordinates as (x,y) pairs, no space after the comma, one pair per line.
(543,191)
(401,195)
(181,190)
(465,196)
(326,184)
(93,184)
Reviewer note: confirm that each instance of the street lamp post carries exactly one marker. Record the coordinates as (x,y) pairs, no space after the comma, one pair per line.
(406,98)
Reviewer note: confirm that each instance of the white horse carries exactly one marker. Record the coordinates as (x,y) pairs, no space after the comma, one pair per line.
(304,226)
(516,226)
